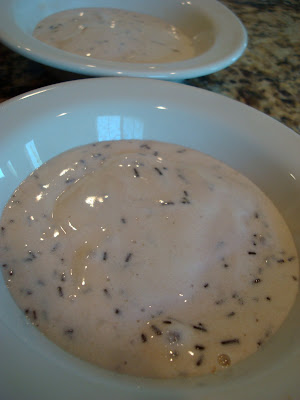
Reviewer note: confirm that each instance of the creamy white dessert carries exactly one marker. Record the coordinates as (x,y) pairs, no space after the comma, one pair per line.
(116,35)
(148,258)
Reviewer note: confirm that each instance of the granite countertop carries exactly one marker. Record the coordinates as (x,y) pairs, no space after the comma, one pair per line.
(266,77)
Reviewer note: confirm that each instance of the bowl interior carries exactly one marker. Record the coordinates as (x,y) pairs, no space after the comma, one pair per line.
(218,36)
(195,23)
(41,124)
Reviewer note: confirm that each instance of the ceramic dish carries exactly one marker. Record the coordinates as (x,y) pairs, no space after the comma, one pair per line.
(18,19)
(38,125)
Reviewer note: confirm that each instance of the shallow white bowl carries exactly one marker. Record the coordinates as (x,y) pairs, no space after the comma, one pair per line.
(38,125)
(18,19)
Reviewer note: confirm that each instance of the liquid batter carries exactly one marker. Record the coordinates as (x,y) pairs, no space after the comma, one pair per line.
(115,35)
(148,258)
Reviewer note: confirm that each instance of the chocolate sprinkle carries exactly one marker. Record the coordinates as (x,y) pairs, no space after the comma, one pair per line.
(199,347)
(144,338)
(252,253)
(128,257)
(104,257)
(199,361)
(156,330)
(60,291)
(206,285)
(230,341)
(167,322)
(167,203)
(231,314)
(145,146)
(97,155)
(136,173)
(158,171)
(257,280)
(200,327)
(70,180)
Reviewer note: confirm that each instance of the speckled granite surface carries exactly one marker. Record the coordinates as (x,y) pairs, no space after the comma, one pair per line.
(266,77)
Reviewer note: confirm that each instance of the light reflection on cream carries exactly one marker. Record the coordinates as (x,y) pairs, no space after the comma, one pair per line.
(71,226)
(90,200)
(64,171)
(63,230)
(39,196)
(293,176)
(56,233)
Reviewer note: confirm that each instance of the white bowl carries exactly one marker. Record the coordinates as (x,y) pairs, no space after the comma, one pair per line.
(18,19)
(38,125)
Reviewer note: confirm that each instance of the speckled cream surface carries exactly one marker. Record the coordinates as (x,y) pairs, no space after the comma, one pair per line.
(148,258)
(115,35)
